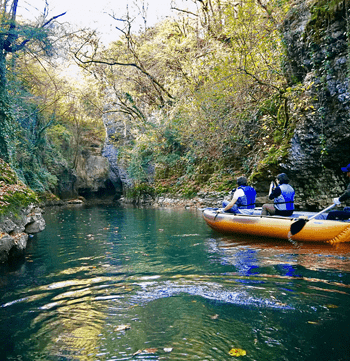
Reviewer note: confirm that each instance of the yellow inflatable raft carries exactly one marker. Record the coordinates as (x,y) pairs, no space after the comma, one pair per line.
(315,230)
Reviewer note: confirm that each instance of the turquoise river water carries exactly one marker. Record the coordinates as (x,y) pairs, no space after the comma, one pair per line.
(109,283)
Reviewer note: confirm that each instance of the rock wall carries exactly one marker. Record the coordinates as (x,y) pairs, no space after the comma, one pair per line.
(14,232)
(93,177)
(117,134)
(318,58)
(66,185)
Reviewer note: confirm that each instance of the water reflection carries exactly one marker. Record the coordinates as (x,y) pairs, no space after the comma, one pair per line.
(310,255)
(132,284)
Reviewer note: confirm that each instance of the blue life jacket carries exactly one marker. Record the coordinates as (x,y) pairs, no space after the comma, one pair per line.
(248,200)
(285,202)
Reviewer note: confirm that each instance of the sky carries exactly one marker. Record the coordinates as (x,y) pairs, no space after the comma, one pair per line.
(95,14)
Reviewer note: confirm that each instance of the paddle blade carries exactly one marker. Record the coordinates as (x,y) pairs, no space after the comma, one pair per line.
(297,226)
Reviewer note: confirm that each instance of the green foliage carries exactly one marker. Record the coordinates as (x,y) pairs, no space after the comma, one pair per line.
(232,110)
(138,162)
(189,191)
(17,199)
(326,8)
(7,175)
(140,190)
(60,135)
(52,122)
(321,12)
(14,195)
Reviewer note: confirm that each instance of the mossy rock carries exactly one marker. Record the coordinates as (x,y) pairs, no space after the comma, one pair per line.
(14,194)
(7,174)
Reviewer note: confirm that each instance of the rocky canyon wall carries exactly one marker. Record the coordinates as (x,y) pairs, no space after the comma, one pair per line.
(317,45)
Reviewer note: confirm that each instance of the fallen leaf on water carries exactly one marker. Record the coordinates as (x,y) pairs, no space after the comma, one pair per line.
(122,328)
(146,350)
(332,306)
(313,322)
(236,352)
(281,304)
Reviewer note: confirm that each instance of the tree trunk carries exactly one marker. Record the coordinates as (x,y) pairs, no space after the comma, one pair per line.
(4,109)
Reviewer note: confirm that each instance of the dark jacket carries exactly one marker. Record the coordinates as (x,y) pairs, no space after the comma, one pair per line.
(345,195)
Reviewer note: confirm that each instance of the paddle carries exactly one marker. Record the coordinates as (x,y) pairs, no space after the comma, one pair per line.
(217,212)
(298,225)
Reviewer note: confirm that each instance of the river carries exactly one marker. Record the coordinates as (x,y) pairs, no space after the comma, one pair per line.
(106,283)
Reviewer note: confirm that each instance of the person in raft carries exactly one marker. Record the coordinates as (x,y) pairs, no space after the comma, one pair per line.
(283,198)
(345,213)
(243,199)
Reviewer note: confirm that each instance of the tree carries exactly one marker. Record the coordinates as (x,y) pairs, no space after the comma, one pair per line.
(15,37)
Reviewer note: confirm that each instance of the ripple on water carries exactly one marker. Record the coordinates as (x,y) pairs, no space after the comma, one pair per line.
(211,291)
(175,286)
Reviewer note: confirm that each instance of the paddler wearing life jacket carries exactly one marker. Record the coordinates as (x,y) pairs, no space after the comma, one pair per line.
(282,196)
(243,199)
(345,213)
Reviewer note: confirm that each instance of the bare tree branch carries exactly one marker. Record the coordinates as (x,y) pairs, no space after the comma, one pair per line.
(112,63)
(52,19)
(269,13)
(184,11)
(280,91)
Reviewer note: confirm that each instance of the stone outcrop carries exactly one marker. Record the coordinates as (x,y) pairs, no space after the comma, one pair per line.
(66,186)
(117,134)
(93,179)
(14,232)
(318,59)
(117,175)
(92,176)
(200,201)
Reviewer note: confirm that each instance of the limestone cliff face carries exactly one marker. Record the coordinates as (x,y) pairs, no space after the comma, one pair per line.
(318,57)
(92,178)
(92,172)
(117,134)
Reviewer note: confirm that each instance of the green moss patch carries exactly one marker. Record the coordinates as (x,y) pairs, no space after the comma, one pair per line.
(14,195)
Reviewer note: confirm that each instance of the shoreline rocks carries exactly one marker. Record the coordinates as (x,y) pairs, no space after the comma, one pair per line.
(214,199)
(15,231)
(201,200)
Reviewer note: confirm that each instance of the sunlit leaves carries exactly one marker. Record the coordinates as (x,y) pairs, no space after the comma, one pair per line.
(206,78)
(237,352)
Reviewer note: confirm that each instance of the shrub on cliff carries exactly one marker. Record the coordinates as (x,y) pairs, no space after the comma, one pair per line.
(14,194)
